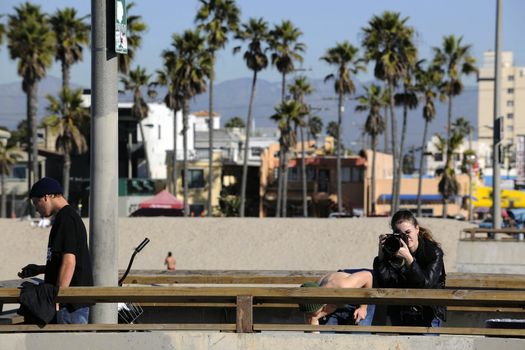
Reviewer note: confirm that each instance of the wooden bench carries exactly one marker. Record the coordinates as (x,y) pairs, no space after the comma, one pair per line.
(245,298)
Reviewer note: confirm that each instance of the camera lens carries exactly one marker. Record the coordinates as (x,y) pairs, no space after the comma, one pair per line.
(391,245)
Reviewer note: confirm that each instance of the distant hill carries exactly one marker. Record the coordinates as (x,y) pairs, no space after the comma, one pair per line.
(13,100)
(232,97)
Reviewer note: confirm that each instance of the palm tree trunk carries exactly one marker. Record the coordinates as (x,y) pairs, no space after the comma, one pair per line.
(373,190)
(303,174)
(420,179)
(280,179)
(66,171)
(449,127)
(401,148)
(247,146)
(386,130)
(285,181)
(393,207)
(210,139)
(185,161)
(282,156)
(174,158)
(338,154)
(3,200)
(65,76)
(146,158)
(32,142)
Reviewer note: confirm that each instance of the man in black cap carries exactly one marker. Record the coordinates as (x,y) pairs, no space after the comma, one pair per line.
(68,260)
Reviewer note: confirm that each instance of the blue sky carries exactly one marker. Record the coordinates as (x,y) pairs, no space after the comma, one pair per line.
(323,23)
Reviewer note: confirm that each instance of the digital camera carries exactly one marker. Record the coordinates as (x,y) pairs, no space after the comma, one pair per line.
(393,243)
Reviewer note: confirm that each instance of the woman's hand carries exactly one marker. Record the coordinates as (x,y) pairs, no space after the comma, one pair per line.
(382,238)
(404,253)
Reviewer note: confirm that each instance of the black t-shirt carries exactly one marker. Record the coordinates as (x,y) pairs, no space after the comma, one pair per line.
(68,235)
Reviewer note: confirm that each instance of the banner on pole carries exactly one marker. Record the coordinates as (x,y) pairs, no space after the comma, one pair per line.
(520,160)
(121,27)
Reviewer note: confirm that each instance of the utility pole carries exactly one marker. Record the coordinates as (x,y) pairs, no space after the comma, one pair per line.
(103,237)
(496,195)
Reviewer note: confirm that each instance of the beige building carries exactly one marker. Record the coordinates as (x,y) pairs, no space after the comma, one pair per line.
(512,99)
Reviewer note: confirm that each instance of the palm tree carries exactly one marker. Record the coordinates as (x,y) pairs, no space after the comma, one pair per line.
(135,28)
(66,115)
(315,126)
(255,32)
(7,159)
(372,101)
(216,18)
(453,60)
(408,99)
(71,33)
(287,114)
(389,42)
(286,48)
(448,184)
(299,89)
(2,32)
(137,80)
(192,68)
(173,100)
(235,122)
(32,42)
(344,57)
(427,83)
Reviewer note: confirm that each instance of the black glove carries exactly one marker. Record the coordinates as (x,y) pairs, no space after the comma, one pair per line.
(30,271)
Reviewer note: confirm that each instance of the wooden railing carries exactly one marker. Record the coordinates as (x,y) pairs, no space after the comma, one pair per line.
(244,299)
(477,233)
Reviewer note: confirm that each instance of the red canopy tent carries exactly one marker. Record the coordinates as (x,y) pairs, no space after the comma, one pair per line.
(162,204)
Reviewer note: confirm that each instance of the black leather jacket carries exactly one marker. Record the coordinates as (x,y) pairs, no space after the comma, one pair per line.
(427,271)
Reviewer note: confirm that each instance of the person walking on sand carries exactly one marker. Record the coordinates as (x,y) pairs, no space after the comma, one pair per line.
(170,262)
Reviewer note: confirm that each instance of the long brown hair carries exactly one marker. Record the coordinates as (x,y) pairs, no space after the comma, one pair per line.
(406,215)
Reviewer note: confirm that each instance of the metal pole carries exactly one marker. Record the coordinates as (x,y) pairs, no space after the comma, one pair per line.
(496,195)
(103,236)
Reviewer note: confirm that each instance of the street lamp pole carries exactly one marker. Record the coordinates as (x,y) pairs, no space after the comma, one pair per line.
(496,195)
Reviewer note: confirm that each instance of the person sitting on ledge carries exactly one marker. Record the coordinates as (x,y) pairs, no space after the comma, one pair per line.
(331,314)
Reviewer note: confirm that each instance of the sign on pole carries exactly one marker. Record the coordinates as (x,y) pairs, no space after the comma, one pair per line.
(121,27)
(520,160)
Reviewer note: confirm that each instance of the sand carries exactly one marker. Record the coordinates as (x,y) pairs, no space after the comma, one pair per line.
(233,243)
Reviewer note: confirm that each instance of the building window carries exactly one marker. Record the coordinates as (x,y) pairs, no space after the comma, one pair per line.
(310,174)
(510,78)
(345,174)
(510,91)
(294,174)
(510,103)
(510,128)
(510,116)
(438,157)
(357,174)
(196,178)
(256,151)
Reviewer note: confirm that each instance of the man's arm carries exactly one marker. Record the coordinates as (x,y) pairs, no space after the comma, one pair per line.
(67,268)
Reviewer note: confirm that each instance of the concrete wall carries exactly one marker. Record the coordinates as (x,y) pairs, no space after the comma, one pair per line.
(263,341)
(233,243)
(491,256)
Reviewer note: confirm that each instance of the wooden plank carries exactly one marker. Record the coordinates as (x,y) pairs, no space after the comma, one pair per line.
(391,329)
(244,314)
(449,297)
(454,280)
(117,327)
(10,317)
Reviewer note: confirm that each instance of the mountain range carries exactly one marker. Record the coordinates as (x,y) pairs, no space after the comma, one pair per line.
(232,97)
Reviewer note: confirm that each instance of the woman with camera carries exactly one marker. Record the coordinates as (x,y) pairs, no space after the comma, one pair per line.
(410,258)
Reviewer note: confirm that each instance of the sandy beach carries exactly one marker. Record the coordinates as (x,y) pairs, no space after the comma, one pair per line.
(233,243)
